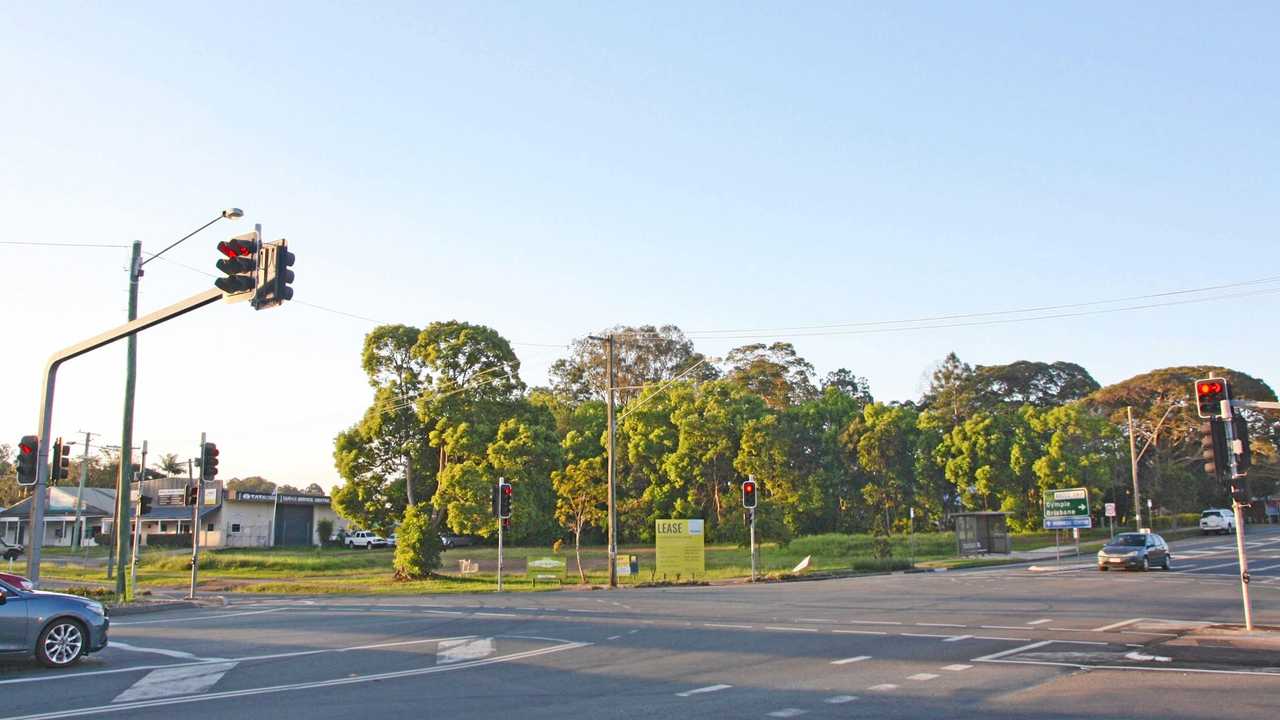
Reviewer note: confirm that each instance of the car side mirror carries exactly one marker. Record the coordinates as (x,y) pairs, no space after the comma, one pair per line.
(4,596)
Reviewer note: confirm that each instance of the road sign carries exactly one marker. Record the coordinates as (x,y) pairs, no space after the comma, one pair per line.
(1110,509)
(679,545)
(1067,509)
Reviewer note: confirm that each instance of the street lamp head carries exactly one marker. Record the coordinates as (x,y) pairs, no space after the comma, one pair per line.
(232,213)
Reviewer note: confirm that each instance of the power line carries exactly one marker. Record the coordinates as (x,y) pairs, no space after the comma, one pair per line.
(61,245)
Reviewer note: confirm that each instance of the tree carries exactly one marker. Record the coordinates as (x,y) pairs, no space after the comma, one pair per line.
(951,392)
(883,441)
(10,491)
(644,355)
(1031,383)
(313,489)
(252,484)
(849,385)
(171,466)
(581,492)
(773,372)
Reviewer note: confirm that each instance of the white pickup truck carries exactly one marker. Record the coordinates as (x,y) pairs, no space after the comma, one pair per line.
(365,539)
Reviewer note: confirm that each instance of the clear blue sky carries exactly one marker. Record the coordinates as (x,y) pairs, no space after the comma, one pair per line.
(550,169)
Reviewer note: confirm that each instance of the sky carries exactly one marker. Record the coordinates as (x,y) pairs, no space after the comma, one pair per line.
(551,169)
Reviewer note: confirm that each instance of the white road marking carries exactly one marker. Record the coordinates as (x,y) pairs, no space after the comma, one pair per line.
(613,637)
(860,632)
(818,620)
(884,687)
(581,611)
(790,629)
(357,680)
(443,612)
(939,625)
(1041,621)
(701,690)
(726,625)
(1014,651)
(493,614)
(922,676)
(957,638)
(1001,627)
(1118,625)
(175,681)
(201,617)
(116,644)
(455,651)
(993,637)
(1260,569)
(840,699)
(787,712)
(924,635)
(956,668)
(1144,657)
(846,661)
(872,622)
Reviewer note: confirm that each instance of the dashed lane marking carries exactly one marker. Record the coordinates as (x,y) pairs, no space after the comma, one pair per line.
(848,660)
(613,637)
(790,629)
(921,677)
(883,687)
(957,638)
(787,712)
(924,635)
(702,690)
(727,625)
(860,632)
(958,667)
(840,699)
(1041,621)
(939,625)
(1118,625)
(494,614)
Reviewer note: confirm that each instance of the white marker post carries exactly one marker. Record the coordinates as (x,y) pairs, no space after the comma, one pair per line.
(1239,512)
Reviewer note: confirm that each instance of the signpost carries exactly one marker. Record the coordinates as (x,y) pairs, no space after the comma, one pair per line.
(1110,510)
(546,568)
(680,550)
(1066,509)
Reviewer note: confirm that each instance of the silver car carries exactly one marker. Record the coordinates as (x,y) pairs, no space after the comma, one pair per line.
(57,629)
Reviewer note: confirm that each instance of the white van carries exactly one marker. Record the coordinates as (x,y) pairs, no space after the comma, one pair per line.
(1217,520)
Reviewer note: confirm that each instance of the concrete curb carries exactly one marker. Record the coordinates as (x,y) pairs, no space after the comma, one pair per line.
(155,606)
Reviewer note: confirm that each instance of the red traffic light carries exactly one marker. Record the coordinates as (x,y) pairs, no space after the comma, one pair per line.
(506,489)
(26,449)
(749,487)
(1209,388)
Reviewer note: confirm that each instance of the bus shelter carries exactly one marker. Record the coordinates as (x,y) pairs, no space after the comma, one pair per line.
(979,533)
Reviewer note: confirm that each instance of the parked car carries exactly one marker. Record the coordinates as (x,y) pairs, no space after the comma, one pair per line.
(17,581)
(1217,520)
(450,540)
(10,552)
(1135,551)
(365,539)
(391,540)
(57,629)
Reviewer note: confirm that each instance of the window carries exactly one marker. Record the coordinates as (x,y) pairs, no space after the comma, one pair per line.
(160,529)
(235,527)
(210,528)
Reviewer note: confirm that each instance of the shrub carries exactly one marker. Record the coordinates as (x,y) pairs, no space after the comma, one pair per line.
(324,528)
(418,546)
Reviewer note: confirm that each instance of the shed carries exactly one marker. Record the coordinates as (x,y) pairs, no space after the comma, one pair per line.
(978,533)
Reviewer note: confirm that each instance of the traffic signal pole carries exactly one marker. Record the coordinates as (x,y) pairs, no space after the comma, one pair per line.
(195,520)
(137,527)
(45,422)
(1239,513)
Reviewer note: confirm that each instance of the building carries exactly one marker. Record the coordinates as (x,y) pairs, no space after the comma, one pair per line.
(227,519)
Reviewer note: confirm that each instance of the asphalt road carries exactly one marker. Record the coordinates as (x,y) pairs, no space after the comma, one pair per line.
(995,643)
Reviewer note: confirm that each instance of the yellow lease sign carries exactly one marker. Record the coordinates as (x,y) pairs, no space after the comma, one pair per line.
(681,554)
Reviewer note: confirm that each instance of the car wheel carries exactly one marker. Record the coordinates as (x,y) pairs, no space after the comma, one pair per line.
(1102,568)
(62,644)
(1165,565)
(1146,564)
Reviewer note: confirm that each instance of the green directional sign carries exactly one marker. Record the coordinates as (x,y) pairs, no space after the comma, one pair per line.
(1067,509)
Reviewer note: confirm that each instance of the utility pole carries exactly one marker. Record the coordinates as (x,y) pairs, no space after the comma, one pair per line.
(123,484)
(137,526)
(613,487)
(77,533)
(1133,466)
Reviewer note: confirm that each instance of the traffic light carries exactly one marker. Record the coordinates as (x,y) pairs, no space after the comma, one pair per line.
(1244,458)
(144,505)
(209,461)
(240,264)
(1213,448)
(749,493)
(28,447)
(1210,392)
(274,262)
(1240,490)
(504,499)
(61,460)
(193,496)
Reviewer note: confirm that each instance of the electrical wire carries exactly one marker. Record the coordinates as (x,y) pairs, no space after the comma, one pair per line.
(636,405)
(61,245)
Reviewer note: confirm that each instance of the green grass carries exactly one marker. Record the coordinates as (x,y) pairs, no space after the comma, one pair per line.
(341,571)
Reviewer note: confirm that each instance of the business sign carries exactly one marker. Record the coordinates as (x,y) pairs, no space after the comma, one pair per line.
(680,549)
(545,568)
(243,496)
(1109,509)
(628,565)
(172,496)
(1065,509)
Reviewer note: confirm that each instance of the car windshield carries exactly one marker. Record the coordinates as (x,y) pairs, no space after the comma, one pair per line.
(1209,513)
(1130,540)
